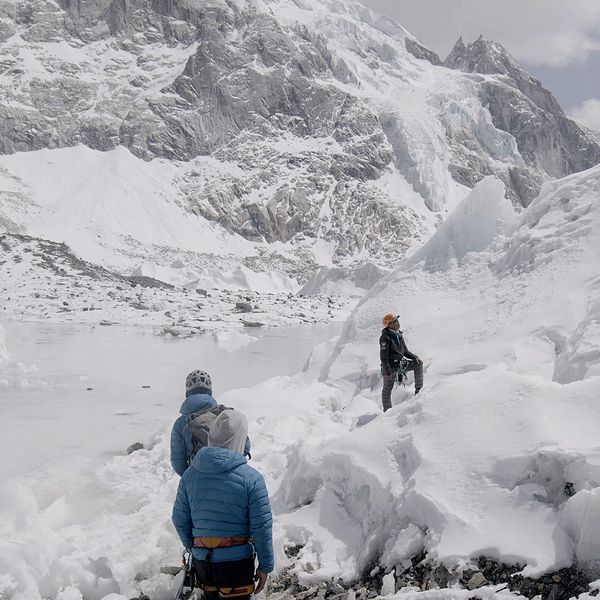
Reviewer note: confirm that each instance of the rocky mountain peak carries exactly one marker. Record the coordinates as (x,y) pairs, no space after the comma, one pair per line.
(491,58)
(481,56)
(519,104)
(456,54)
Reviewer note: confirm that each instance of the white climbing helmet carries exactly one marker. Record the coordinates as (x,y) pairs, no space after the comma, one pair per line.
(198,379)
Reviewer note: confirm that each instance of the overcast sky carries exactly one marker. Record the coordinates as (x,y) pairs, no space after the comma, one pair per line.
(558,41)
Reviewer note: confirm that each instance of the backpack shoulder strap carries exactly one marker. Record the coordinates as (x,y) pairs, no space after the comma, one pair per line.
(197,413)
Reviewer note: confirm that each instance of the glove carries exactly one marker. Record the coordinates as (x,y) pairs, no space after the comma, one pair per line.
(261,579)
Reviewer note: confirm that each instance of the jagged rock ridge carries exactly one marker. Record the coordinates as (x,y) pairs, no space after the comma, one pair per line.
(519,104)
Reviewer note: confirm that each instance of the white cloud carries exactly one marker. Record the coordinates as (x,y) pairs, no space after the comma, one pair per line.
(587,114)
(538,32)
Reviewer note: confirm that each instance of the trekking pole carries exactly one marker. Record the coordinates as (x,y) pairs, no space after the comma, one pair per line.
(186,589)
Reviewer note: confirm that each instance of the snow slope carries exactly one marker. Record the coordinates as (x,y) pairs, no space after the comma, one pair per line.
(113,209)
(509,334)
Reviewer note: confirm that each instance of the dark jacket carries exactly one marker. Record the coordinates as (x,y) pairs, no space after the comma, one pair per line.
(392,348)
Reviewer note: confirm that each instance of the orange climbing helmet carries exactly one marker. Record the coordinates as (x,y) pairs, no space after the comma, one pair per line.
(389,318)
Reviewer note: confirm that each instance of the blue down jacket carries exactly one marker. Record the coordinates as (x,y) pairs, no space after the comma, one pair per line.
(220,495)
(181,438)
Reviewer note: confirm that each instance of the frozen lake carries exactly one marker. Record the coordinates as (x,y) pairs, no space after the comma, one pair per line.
(90,392)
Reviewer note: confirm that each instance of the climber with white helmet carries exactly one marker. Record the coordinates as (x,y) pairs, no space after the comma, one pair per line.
(198,411)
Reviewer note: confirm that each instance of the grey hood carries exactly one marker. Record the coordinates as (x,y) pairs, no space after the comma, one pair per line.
(229,430)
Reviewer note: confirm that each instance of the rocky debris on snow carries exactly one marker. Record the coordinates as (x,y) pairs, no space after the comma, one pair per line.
(252,323)
(424,574)
(420,573)
(135,447)
(70,289)
(243,307)
(145,281)
(477,580)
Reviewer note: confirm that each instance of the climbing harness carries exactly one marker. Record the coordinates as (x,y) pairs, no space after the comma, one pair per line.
(402,370)
(211,544)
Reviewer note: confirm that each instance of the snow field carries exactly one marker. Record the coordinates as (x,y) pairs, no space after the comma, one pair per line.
(71,550)
(113,209)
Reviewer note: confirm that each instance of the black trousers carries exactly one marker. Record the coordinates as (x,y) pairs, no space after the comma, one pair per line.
(218,578)
(389,380)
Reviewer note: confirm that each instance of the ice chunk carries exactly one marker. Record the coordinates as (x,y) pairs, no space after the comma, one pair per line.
(581,357)
(472,227)
(580,520)
(4,356)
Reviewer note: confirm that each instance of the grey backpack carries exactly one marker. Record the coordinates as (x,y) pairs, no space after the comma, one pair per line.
(199,424)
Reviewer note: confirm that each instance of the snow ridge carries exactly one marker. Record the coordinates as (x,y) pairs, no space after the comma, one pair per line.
(510,339)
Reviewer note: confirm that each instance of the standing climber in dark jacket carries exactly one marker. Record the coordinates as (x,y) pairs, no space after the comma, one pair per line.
(396,359)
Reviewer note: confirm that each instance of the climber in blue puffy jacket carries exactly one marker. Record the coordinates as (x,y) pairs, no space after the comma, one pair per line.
(222,512)
(198,397)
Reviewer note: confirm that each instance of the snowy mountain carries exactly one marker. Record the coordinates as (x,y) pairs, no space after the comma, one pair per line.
(279,135)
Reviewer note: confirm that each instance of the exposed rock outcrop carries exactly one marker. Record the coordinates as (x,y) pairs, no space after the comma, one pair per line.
(548,141)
